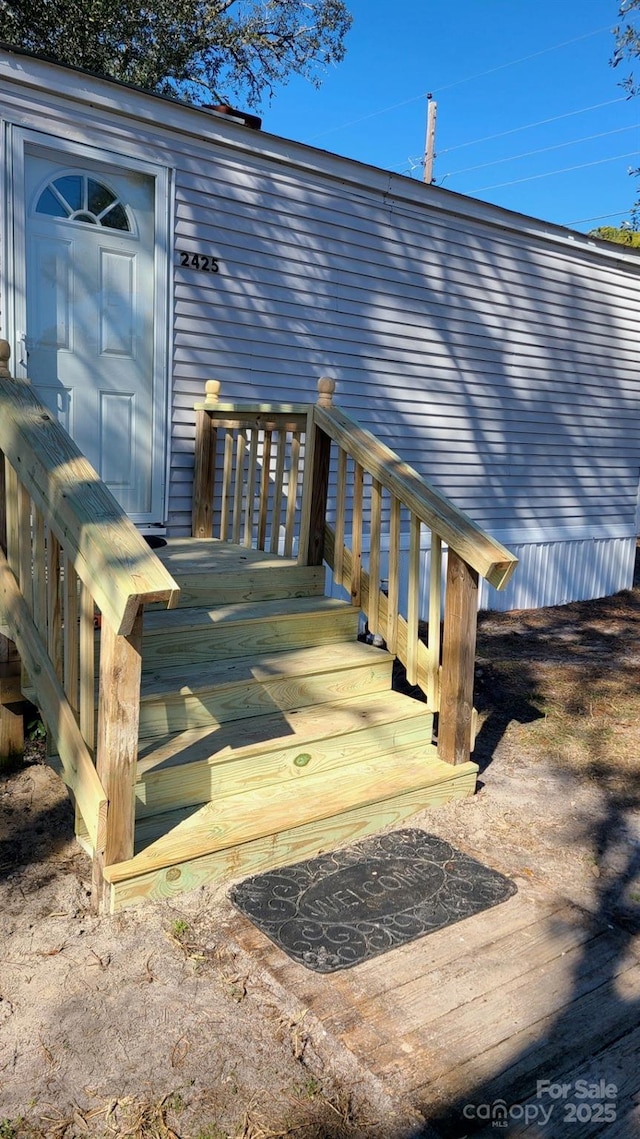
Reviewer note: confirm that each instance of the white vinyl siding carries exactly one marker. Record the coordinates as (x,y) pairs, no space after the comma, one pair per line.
(494,353)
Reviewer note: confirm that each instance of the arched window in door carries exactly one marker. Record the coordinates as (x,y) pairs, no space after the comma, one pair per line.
(80,198)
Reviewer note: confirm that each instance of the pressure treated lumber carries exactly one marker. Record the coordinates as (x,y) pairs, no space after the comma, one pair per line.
(188,635)
(321,825)
(130,887)
(203,475)
(489,557)
(212,572)
(175,699)
(458,655)
(11,714)
(196,766)
(79,772)
(108,553)
(117,744)
(400,624)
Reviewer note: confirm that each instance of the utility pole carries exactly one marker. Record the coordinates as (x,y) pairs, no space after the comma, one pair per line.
(430,141)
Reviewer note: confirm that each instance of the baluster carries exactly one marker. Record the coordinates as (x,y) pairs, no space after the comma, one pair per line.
(435,617)
(356,534)
(24,524)
(341,500)
(292,493)
(394,575)
(374,557)
(241,447)
(11,720)
(54,604)
(87,667)
(71,650)
(263,509)
(13,519)
(39,575)
(281,446)
(250,504)
(413,599)
(227,472)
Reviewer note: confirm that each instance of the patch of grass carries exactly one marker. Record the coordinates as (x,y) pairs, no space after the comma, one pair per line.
(19,1128)
(9,1128)
(179,928)
(310,1088)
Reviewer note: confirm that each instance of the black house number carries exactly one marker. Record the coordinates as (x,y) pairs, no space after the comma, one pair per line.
(201,261)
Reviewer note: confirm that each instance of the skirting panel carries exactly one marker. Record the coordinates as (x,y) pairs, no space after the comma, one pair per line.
(548,573)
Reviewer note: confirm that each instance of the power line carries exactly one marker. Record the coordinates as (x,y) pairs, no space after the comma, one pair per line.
(529,126)
(524,59)
(552,173)
(456,83)
(513,130)
(540,150)
(598,217)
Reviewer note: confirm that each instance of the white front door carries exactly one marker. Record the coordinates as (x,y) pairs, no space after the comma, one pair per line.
(89,344)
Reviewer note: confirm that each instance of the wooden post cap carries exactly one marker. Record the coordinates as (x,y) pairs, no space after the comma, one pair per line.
(326,388)
(5,356)
(212,390)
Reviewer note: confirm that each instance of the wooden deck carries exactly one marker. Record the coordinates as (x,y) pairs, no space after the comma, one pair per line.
(460,1026)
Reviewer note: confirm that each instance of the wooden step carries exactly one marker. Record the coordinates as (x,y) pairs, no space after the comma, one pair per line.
(189,636)
(196,696)
(194,767)
(259,829)
(210,572)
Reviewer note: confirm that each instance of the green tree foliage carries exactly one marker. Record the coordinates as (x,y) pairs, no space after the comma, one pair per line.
(193,48)
(627,49)
(622,236)
(627,41)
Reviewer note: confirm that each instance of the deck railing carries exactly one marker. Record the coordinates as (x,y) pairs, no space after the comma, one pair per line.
(75,575)
(309,478)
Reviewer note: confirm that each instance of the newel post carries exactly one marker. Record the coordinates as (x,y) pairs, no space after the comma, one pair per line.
(458,659)
(319,444)
(11,703)
(204,464)
(117,746)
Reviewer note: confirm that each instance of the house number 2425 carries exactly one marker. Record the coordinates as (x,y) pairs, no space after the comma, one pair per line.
(201,261)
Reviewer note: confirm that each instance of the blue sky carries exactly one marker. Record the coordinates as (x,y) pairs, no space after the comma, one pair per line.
(495,67)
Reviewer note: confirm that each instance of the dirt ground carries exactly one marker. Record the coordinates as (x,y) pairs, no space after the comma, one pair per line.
(148,1024)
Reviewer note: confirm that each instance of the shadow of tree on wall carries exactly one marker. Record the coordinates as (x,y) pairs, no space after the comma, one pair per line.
(492,359)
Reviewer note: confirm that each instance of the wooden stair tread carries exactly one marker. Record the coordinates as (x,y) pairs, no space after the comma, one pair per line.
(159,623)
(283,729)
(260,668)
(211,693)
(248,815)
(212,572)
(182,555)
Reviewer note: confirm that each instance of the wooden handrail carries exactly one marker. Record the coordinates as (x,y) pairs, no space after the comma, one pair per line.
(487,556)
(367,488)
(110,556)
(68,547)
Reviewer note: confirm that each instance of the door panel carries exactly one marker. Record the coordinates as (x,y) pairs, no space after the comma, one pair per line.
(118,310)
(90,281)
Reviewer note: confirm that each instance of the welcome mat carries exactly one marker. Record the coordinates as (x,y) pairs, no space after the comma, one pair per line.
(341,908)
